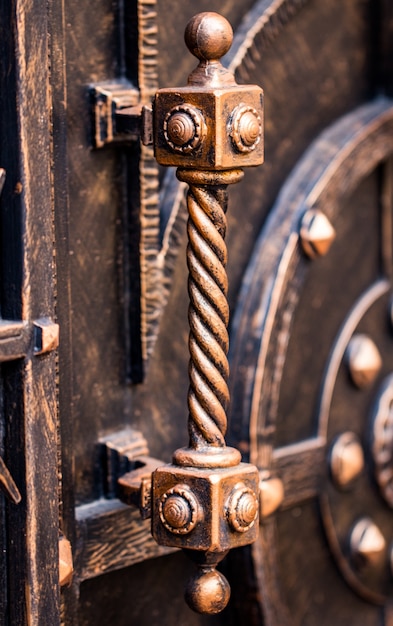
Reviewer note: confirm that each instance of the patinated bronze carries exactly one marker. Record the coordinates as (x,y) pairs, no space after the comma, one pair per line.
(207,501)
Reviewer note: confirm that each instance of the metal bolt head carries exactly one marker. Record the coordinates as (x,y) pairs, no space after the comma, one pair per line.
(364,360)
(367,544)
(271,492)
(181,130)
(316,233)
(184,128)
(66,568)
(346,459)
(179,510)
(242,509)
(246,128)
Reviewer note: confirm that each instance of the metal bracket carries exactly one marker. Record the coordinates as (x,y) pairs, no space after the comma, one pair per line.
(46,335)
(118,115)
(119,452)
(135,487)
(128,469)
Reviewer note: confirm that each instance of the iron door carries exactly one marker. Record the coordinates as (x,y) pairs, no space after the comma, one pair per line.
(93,243)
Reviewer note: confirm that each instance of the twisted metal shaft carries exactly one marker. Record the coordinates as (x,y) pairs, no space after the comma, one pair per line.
(208,394)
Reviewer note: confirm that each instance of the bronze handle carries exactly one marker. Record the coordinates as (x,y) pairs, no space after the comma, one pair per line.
(206,501)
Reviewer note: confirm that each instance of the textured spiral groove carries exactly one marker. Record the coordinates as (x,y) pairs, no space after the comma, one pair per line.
(208,394)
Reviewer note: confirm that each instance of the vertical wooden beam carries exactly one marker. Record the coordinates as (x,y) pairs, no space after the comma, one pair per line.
(58,78)
(30,384)
(38,296)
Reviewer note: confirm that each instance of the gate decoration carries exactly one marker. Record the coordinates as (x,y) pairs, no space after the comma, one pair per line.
(312,393)
(84,229)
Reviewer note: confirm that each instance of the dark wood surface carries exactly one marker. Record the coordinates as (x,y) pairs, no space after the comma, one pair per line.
(28,293)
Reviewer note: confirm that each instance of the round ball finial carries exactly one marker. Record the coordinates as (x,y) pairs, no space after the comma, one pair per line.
(208,36)
(208,592)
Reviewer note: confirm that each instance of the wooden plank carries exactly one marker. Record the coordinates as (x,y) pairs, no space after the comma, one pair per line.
(27,264)
(301,467)
(57,26)
(15,340)
(112,536)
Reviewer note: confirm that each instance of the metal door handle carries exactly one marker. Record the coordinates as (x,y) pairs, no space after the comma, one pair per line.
(206,501)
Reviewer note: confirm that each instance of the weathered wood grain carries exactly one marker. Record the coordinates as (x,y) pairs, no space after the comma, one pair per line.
(301,467)
(15,340)
(28,280)
(111,536)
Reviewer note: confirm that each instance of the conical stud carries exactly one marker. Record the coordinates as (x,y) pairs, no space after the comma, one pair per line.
(346,459)
(367,544)
(2,178)
(66,568)
(364,360)
(316,234)
(271,495)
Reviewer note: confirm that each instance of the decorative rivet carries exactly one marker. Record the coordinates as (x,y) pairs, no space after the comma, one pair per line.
(367,544)
(66,568)
(178,510)
(271,495)
(46,335)
(246,128)
(346,459)
(184,128)
(180,129)
(364,360)
(242,509)
(316,233)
